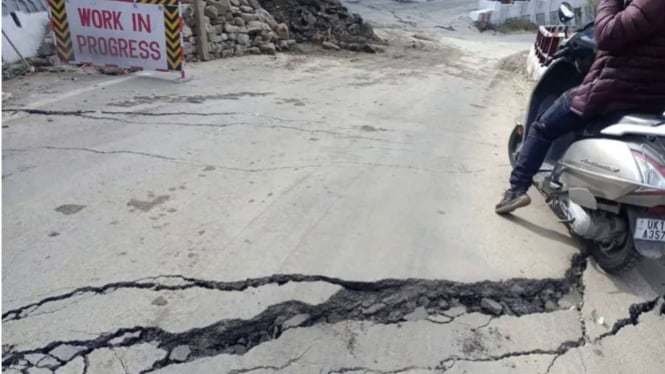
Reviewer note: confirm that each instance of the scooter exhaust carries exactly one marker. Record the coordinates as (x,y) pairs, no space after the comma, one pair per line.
(597,227)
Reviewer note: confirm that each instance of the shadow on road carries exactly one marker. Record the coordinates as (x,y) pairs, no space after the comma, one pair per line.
(542,231)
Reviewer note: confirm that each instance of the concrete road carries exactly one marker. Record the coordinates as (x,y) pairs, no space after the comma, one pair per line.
(308,213)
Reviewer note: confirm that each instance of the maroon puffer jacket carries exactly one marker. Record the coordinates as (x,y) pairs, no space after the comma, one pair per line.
(629,70)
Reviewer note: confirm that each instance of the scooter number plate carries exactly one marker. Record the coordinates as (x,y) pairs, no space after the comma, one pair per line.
(650,229)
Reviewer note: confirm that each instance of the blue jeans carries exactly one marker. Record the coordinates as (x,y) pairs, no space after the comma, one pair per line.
(557,121)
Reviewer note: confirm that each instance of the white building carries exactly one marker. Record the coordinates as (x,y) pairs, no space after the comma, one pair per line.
(23,21)
(541,12)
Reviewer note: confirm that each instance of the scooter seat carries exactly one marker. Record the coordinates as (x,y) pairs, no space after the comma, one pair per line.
(595,127)
(642,120)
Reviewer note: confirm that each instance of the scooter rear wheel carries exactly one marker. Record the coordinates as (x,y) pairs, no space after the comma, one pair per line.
(617,257)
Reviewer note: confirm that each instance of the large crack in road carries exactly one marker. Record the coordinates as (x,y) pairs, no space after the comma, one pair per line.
(388,301)
(516,296)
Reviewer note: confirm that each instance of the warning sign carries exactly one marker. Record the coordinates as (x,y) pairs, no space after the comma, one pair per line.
(144,34)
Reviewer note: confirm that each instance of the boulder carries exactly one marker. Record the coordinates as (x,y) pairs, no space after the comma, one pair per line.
(239,50)
(255,27)
(282,31)
(229,28)
(222,6)
(268,48)
(248,17)
(330,45)
(266,17)
(211,11)
(243,39)
(238,21)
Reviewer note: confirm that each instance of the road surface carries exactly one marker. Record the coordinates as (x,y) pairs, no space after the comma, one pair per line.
(325,212)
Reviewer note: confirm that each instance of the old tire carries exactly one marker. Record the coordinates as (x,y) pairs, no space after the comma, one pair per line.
(616,258)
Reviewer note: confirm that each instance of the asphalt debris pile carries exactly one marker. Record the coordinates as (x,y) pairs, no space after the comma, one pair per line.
(325,22)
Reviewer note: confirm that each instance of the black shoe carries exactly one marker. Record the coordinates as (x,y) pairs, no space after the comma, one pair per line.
(512,200)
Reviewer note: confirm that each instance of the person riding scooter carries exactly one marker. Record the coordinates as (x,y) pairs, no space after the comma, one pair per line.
(628,74)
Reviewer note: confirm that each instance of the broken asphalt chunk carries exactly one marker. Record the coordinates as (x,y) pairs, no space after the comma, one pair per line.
(374,308)
(417,315)
(65,352)
(180,353)
(491,306)
(295,321)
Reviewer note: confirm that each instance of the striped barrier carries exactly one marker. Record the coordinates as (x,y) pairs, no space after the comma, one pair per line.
(119,33)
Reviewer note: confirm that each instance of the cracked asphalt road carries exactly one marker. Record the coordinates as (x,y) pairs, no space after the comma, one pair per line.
(325,213)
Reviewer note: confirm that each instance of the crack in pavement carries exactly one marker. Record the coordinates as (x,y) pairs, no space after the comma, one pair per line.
(122,363)
(248,170)
(86,364)
(449,362)
(83,113)
(95,116)
(84,149)
(194,99)
(635,311)
(388,301)
(271,367)
(385,301)
(515,288)
(370,370)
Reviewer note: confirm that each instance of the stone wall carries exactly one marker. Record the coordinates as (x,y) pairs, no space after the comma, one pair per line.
(235,28)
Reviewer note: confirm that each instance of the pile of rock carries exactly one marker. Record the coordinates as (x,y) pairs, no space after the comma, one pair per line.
(327,22)
(239,27)
(235,28)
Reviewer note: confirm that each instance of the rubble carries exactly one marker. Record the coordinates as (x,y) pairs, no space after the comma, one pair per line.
(245,27)
(234,28)
(323,21)
(240,27)
(491,306)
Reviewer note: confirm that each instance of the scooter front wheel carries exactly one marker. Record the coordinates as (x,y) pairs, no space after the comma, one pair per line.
(514,144)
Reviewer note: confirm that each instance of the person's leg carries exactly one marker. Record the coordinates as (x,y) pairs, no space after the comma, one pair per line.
(557,120)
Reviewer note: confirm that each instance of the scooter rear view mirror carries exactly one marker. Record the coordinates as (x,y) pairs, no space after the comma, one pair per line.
(566,12)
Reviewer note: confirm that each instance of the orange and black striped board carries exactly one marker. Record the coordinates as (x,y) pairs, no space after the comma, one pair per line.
(60,28)
(173,25)
(71,35)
